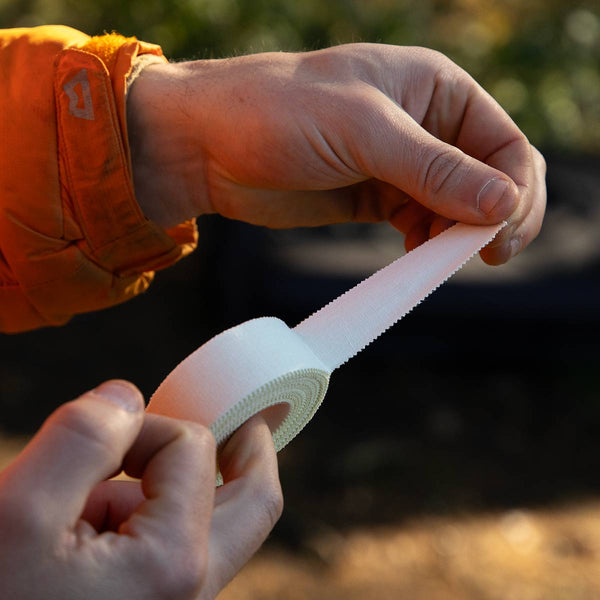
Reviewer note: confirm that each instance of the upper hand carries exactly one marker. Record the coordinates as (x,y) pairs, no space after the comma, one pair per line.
(360,132)
(66,532)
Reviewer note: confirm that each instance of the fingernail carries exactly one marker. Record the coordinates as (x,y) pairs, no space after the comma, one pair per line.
(515,246)
(491,194)
(122,394)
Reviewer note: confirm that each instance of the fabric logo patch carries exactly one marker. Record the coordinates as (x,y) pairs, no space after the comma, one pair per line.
(80,97)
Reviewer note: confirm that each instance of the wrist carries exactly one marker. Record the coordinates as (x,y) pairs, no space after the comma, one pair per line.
(166,154)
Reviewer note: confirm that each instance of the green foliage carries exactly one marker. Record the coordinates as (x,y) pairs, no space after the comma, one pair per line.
(540,58)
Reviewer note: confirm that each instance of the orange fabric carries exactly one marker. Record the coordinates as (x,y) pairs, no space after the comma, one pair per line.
(72,236)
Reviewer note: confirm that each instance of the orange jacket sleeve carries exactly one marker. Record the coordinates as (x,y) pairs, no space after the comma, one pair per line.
(72,236)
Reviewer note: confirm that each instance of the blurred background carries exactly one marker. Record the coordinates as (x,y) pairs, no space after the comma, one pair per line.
(458,457)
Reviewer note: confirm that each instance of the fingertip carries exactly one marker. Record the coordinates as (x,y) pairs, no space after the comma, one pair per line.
(498,198)
(120,393)
(500,254)
(251,443)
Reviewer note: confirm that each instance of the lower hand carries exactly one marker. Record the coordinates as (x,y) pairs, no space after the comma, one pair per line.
(68,533)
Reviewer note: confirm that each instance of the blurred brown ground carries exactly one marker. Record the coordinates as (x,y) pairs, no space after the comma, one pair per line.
(547,554)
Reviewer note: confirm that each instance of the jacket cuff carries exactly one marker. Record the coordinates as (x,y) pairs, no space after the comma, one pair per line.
(89,246)
(96,166)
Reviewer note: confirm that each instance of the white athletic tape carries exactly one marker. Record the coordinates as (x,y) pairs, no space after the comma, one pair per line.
(259,364)
(263,364)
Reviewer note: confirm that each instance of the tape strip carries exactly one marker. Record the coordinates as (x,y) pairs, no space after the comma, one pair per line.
(263,365)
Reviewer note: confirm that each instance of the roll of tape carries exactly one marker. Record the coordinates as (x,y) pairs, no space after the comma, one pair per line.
(264,366)
(260,365)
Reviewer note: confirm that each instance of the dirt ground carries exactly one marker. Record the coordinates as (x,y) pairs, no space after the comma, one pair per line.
(514,555)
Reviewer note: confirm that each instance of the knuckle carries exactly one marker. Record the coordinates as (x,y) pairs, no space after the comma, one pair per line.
(78,422)
(439,170)
(432,59)
(436,56)
(196,439)
(71,416)
(199,435)
(205,437)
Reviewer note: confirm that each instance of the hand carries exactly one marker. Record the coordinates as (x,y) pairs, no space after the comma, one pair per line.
(66,533)
(360,132)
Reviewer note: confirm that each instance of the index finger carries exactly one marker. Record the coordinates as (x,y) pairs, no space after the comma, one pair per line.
(176,461)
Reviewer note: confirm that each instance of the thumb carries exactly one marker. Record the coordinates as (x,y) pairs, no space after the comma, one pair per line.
(440,176)
(79,445)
